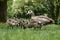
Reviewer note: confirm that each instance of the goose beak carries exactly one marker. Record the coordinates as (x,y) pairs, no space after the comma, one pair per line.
(28,13)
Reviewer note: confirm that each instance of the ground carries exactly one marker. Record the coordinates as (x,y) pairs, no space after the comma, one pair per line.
(49,32)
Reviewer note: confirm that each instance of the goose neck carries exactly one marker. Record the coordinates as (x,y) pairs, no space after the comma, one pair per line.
(32,14)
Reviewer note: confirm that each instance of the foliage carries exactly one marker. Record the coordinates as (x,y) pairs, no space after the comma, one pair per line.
(1,0)
(20,7)
(9,8)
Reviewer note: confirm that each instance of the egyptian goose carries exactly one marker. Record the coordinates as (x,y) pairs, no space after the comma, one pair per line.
(42,19)
(30,24)
(13,22)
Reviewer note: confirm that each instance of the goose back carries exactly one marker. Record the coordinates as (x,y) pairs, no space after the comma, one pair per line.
(42,19)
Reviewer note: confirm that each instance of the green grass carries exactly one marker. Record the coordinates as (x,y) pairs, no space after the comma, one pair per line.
(49,32)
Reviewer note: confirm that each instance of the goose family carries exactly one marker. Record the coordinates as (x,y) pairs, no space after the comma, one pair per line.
(23,23)
(36,22)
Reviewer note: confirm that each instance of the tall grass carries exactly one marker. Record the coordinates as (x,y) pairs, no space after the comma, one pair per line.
(49,32)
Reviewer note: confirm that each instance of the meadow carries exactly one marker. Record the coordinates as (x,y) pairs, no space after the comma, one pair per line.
(50,8)
(48,32)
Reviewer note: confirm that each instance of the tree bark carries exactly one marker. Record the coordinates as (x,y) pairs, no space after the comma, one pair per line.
(3,10)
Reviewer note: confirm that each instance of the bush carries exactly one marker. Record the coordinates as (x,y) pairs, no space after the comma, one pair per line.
(58,22)
(21,8)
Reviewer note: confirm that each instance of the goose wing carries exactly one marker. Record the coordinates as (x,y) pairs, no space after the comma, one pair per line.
(45,19)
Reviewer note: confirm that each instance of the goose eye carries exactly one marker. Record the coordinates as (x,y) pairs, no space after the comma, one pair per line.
(29,12)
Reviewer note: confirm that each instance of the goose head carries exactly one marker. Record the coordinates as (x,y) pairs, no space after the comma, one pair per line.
(30,12)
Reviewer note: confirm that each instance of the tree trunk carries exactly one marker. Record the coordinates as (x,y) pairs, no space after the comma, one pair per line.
(3,10)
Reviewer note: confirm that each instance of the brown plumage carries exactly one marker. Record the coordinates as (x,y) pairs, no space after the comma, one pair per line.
(42,19)
(27,24)
(13,22)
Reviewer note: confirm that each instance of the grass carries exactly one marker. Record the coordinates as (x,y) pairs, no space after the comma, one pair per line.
(49,32)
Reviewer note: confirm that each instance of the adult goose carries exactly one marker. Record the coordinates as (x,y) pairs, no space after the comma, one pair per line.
(42,19)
